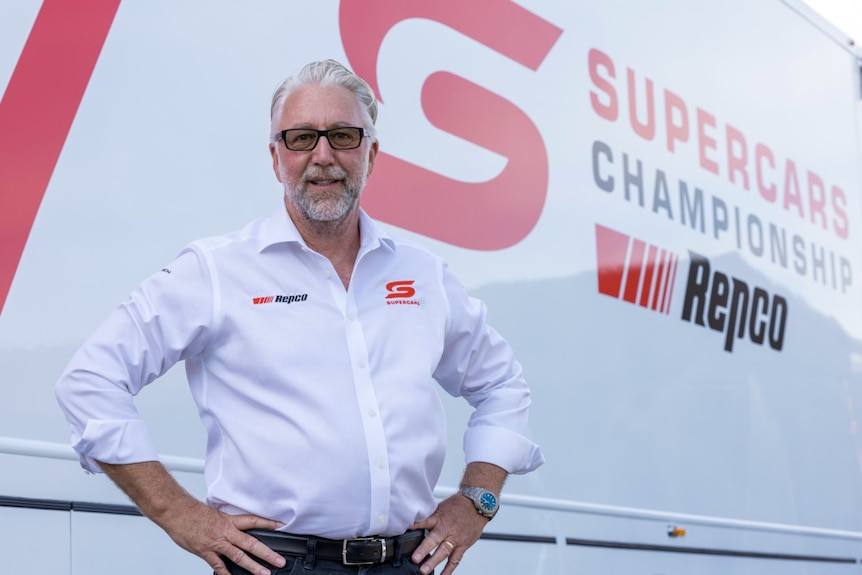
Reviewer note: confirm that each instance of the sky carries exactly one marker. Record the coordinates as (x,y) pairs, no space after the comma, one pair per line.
(846,15)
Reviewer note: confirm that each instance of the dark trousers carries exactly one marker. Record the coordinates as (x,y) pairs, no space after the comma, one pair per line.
(304,565)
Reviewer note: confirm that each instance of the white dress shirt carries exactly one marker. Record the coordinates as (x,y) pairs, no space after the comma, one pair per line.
(320,403)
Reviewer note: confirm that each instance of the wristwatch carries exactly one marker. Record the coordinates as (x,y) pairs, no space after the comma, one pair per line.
(485,501)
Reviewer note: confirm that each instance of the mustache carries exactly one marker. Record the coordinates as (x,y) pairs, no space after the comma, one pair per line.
(331,173)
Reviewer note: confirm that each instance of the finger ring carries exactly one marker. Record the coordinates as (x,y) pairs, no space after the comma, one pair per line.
(450,544)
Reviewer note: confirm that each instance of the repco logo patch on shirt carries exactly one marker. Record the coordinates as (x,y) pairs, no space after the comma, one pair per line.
(400,293)
(279,299)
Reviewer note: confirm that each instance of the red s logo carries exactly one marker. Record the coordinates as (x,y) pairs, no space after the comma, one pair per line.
(37,110)
(400,289)
(488,215)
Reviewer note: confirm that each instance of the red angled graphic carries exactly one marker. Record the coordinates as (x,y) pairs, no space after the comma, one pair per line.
(632,270)
(400,289)
(37,111)
(487,215)
(264,299)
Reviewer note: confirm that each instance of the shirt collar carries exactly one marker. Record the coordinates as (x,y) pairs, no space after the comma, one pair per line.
(279,229)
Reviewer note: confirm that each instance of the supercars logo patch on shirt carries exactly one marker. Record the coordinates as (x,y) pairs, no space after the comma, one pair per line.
(400,293)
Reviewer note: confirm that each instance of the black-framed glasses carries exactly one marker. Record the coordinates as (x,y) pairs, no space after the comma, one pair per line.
(305,139)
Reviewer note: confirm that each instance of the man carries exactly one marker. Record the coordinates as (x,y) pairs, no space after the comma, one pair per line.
(312,340)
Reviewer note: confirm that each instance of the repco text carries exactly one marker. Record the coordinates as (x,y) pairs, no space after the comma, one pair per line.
(730,306)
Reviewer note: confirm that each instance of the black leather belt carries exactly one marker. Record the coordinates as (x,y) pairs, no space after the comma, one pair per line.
(360,551)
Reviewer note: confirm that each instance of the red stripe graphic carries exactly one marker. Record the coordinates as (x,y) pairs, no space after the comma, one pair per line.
(611,248)
(671,282)
(619,257)
(634,276)
(649,273)
(662,256)
(37,111)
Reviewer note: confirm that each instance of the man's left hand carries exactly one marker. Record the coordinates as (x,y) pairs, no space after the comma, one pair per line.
(453,528)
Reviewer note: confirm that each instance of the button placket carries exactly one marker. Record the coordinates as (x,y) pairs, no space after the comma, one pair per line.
(375,439)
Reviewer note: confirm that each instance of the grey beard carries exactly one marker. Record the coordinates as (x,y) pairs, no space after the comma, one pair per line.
(332,207)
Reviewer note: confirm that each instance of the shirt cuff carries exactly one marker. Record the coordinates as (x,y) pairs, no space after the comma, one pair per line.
(123,441)
(502,447)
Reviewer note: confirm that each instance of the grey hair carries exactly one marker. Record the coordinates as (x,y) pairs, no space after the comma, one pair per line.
(330,73)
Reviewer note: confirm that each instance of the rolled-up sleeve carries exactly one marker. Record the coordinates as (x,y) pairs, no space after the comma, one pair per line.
(478,364)
(166,319)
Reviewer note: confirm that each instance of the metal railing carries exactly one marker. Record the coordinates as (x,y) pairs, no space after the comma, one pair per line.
(49,450)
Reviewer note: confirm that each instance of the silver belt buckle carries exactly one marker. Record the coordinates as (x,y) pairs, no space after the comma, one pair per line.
(346,561)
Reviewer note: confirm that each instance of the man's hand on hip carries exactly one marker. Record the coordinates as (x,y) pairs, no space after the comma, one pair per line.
(453,528)
(207,533)
(211,534)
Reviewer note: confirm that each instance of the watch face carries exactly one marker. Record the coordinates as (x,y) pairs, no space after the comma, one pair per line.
(488,501)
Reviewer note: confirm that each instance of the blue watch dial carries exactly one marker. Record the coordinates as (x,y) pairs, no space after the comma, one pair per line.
(488,501)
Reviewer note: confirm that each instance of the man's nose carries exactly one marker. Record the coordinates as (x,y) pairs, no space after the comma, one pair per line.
(322,152)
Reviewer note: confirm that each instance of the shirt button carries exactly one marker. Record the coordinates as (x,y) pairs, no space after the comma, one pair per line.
(351,316)
(380,464)
(361,363)
(381,519)
(372,412)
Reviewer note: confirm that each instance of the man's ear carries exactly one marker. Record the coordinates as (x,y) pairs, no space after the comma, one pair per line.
(273,151)
(372,156)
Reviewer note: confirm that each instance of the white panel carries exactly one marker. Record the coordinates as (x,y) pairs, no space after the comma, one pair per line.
(125,544)
(524,558)
(627,562)
(34,540)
